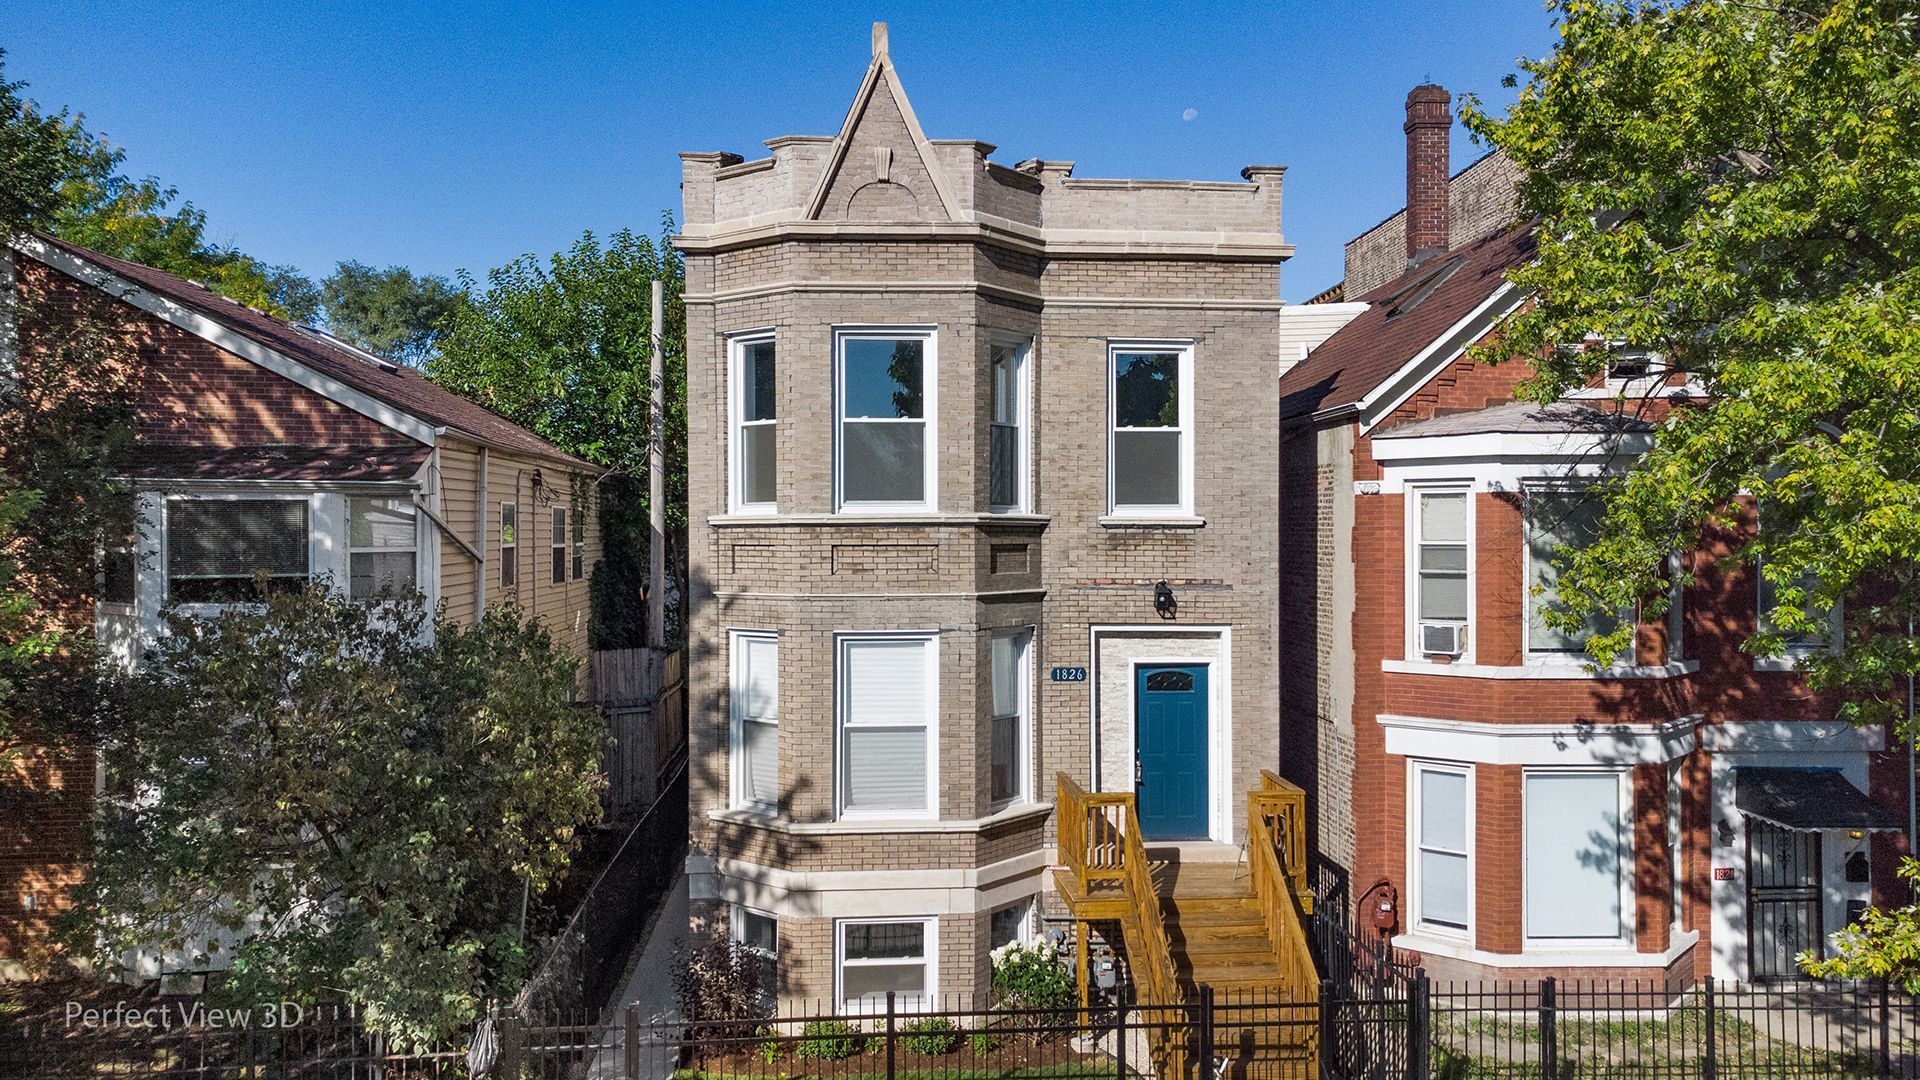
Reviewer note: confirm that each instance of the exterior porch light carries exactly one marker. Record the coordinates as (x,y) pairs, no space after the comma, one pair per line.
(1163,602)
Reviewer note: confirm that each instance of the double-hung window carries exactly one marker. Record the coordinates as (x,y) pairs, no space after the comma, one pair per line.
(1798,641)
(1007,430)
(754,470)
(1442,578)
(1010,925)
(884,445)
(1150,453)
(759,934)
(1007,739)
(1559,520)
(222,551)
(755,693)
(509,544)
(1443,847)
(873,957)
(1575,849)
(579,543)
(383,541)
(888,698)
(559,542)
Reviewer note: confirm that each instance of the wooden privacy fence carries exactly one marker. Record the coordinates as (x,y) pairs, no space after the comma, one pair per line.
(644,695)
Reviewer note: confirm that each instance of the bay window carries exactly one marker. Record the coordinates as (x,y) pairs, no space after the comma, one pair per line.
(884,442)
(887,705)
(226,550)
(873,957)
(1800,640)
(1150,419)
(1556,520)
(1007,429)
(755,695)
(1575,851)
(1007,737)
(1443,847)
(754,472)
(383,541)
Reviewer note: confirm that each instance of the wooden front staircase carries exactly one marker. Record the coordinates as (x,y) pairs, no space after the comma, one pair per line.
(1232,930)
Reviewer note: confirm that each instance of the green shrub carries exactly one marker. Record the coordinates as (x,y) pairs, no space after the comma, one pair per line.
(769,1048)
(981,1043)
(931,1035)
(1030,976)
(829,1040)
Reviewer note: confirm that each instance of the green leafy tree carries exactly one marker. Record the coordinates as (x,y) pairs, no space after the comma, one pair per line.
(360,793)
(394,312)
(562,348)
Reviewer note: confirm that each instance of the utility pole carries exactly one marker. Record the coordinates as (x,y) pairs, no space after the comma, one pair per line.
(656,474)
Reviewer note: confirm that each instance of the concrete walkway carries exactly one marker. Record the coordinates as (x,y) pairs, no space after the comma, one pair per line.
(650,986)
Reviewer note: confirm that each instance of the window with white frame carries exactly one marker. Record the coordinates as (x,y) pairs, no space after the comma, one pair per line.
(1150,453)
(1442,569)
(755,694)
(872,957)
(383,541)
(1006,772)
(1676,872)
(223,551)
(1011,924)
(579,543)
(759,933)
(1007,432)
(1443,847)
(887,705)
(1575,851)
(1560,520)
(559,542)
(509,544)
(885,445)
(1818,635)
(755,467)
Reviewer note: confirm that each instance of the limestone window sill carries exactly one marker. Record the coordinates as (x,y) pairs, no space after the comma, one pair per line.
(866,520)
(1540,670)
(856,826)
(1122,521)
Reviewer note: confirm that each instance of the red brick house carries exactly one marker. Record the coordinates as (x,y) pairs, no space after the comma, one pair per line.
(1500,807)
(260,445)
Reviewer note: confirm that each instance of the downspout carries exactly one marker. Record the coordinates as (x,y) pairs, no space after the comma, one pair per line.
(480,538)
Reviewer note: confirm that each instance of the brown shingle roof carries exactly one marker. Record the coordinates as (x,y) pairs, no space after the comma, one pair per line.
(1403,317)
(1522,418)
(336,463)
(401,387)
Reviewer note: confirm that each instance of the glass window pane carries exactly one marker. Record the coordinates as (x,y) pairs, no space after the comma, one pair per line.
(1443,557)
(882,377)
(884,463)
(386,523)
(1555,519)
(1006,673)
(758,396)
(886,682)
(886,768)
(1572,846)
(1003,476)
(1443,597)
(1443,809)
(1443,889)
(1146,390)
(759,689)
(236,538)
(1146,468)
(1004,781)
(1443,516)
(763,761)
(758,931)
(757,463)
(375,572)
(886,941)
(874,980)
(1005,925)
(1006,386)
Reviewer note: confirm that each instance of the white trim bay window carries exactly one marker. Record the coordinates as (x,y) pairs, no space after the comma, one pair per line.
(1150,429)
(221,551)
(755,694)
(754,474)
(875,956)
(884,443)
(1559,518)
(1442,834)
(1577,857)
(1007,428)
(1007,737)
(1442,570)
(1796,643)
(888,728)
(383,545)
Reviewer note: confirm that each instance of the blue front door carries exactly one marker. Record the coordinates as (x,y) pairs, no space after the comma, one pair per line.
(1170,747)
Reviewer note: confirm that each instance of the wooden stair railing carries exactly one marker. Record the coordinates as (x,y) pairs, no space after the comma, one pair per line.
(1100,843)
(1277,860)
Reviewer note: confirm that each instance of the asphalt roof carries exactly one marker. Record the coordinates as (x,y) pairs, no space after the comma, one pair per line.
(338,463)
(1520,418)
(1403,317)
(401,387)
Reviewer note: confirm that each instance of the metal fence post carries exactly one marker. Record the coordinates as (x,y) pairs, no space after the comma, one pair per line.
(512,1036)
(632,1071)
(1120,1035)
(1419,1025)
(1204,1066)
(1326,1028)
(890,1035)
(1549,1029)
(1711,1051)
(1886,1056)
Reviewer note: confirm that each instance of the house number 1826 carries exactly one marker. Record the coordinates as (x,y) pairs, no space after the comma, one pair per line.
(1069,674)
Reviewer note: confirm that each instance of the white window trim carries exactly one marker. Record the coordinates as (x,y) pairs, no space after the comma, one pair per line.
(929,407)
(1411,528)
(1023,424)
(1184,508)
(559,545)
(1416,920)
(1023,725)
(1028,907)
(500,537)
(736,928)
(1624,856)
(1555,658)
(930,944)
(736,412)
(419,572)
(930,640)
(1789,660)
(315,525)
(737,783)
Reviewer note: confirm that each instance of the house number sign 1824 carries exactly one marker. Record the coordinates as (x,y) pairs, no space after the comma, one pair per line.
(1069,674)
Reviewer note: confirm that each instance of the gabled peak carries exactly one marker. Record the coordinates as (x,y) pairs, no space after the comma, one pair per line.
(881,166)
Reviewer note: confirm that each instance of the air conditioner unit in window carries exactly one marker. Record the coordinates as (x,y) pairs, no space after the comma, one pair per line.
(1443,638)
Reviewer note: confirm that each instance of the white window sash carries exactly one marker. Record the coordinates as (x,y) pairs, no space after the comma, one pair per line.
(740,643)
(1531,814)
(928,961)
(167,529)
(1021,350)
(1021,716)
(1415,545)
(928,724)
(929,409)
(1416,771)
(510,552)
(559,544)
(413,549)
(737,423)
(1184,506)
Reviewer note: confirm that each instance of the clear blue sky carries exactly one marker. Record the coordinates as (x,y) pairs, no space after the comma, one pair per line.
(464,135)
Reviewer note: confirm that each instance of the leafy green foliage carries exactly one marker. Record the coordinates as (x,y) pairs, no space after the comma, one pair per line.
(1030,976)
(1737,186)
(829,1040)
(721,979)
(38,150)
(930,1035)
(358,794)
(1882,945)
(393,313)
(562,349)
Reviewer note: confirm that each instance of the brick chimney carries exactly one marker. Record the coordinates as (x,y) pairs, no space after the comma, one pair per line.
(1429,128)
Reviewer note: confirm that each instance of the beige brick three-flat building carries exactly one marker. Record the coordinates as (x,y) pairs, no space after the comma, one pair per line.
(983,466)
